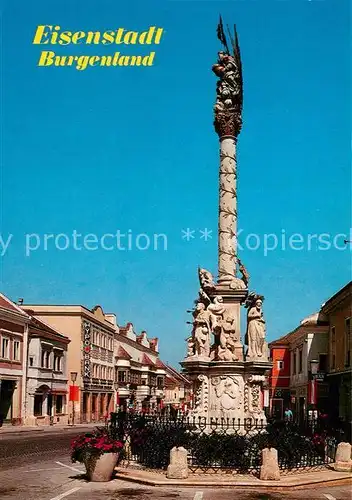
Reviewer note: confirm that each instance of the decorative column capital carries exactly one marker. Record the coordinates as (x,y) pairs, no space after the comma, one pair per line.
(228,123)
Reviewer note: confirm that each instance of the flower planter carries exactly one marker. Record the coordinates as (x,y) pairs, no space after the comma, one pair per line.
(100,468)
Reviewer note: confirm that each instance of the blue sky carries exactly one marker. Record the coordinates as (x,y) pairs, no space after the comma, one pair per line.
(134,148)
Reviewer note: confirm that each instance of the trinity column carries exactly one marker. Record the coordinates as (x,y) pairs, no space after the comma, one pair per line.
(227,379)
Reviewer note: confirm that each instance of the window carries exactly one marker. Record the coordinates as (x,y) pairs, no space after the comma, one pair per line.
(160,382)
(300,360)
(135,378)
(280,365)
(45,359)
(57,362)
(38,405)
(5,348)
(323,362)
(347,341)
(122,376)
(294,363)
(59,404)
(333,347)
(31,361)
(16,350)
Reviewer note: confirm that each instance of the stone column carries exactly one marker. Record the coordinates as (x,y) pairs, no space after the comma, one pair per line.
(88,415)
(45,405)
(227,244)
(228,123)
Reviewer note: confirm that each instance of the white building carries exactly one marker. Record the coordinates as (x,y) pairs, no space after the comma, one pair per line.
(47,382)
(139,373)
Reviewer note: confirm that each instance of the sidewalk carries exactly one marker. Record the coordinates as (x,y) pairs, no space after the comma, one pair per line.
(12,429)
(299,480)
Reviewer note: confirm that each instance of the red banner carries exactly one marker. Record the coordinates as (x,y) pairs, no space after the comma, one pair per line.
(312,392)
(74,393)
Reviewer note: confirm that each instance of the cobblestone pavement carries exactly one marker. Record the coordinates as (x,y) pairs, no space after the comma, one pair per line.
(39,468)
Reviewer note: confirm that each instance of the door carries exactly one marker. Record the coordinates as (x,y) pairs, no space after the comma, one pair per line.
(50,405)
(277,409)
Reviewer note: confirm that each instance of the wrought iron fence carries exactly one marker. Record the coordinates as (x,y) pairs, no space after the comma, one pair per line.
(221,444)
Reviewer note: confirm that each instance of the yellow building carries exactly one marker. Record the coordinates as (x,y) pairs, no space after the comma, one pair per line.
(339,311)
(90,358)
(177,390)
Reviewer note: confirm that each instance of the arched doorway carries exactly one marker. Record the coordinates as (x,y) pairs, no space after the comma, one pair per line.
(42,400)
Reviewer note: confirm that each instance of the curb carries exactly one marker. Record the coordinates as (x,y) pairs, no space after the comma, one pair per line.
(283,484)
(18,432)
(45,429)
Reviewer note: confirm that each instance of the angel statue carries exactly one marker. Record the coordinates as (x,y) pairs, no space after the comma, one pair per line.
(201,330)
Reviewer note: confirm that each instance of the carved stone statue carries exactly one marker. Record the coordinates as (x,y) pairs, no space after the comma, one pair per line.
(255,336)
(206,280)
(216,310)
(201,330)
(228,340)
(228,87)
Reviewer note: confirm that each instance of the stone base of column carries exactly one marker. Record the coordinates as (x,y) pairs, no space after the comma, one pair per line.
(227,390)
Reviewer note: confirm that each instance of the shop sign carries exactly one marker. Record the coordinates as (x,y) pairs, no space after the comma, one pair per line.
(87,347)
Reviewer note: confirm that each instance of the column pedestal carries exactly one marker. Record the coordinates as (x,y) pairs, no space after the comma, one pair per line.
(225,390)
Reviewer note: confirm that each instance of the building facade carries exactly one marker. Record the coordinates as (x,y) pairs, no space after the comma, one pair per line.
(339,311)
(139,373)
(279,378)
(178,391)
(47,383)
(90,357)
(13,361)
(297,352)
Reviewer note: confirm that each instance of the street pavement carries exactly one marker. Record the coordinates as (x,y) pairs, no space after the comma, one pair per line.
(37,466)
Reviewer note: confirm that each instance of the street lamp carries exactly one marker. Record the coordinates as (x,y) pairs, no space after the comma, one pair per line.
(117,399)
(73,380)
(314,366)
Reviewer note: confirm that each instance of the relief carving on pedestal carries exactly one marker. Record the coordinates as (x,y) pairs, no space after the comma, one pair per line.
(228,393)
